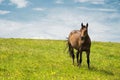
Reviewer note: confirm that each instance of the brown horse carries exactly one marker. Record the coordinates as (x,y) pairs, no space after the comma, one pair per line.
(80,40)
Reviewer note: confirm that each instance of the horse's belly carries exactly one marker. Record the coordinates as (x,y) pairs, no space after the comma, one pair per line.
(76,45)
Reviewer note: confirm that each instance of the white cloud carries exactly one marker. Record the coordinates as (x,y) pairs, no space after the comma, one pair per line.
(82,0)
(59,1)
(39,29)
(2,12)
(91,1)
(1,1)
(19,3)
(39,9)
(98,9)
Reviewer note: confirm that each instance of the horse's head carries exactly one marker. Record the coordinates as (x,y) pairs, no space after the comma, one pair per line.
(84,31)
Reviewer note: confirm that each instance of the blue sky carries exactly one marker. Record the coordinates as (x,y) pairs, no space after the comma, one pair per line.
(54,19)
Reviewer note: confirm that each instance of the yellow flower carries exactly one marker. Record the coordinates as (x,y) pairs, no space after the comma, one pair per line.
(53,73)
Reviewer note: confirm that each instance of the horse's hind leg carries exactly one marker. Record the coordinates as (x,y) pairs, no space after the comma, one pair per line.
(71,52)
(73,56)
(88,58)
(80,58)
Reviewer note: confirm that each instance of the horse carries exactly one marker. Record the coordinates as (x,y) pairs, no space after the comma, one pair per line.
(79,40)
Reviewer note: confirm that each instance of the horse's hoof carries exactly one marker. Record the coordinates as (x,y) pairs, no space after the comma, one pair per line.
(73,64)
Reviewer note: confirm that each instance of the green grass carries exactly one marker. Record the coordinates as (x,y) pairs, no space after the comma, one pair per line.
(26,59)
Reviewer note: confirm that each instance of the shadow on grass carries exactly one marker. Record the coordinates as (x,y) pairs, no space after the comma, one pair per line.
(107,72)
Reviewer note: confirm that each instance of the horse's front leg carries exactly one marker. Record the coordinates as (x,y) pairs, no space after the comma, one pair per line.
(77,56)
(88,58)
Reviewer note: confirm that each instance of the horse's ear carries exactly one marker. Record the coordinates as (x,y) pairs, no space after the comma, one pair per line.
(81,24)
(87,25)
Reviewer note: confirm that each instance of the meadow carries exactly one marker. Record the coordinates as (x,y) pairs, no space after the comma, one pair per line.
(27,59)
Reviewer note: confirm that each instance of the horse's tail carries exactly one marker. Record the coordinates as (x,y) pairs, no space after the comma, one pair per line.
(70,49)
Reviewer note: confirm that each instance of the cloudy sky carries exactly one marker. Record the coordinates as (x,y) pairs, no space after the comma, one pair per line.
(54,19)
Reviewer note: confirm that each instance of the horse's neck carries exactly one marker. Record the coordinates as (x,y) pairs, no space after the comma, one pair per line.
(87,36)
(87,39)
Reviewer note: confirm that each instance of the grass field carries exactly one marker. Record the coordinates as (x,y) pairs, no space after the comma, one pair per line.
(26,59)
